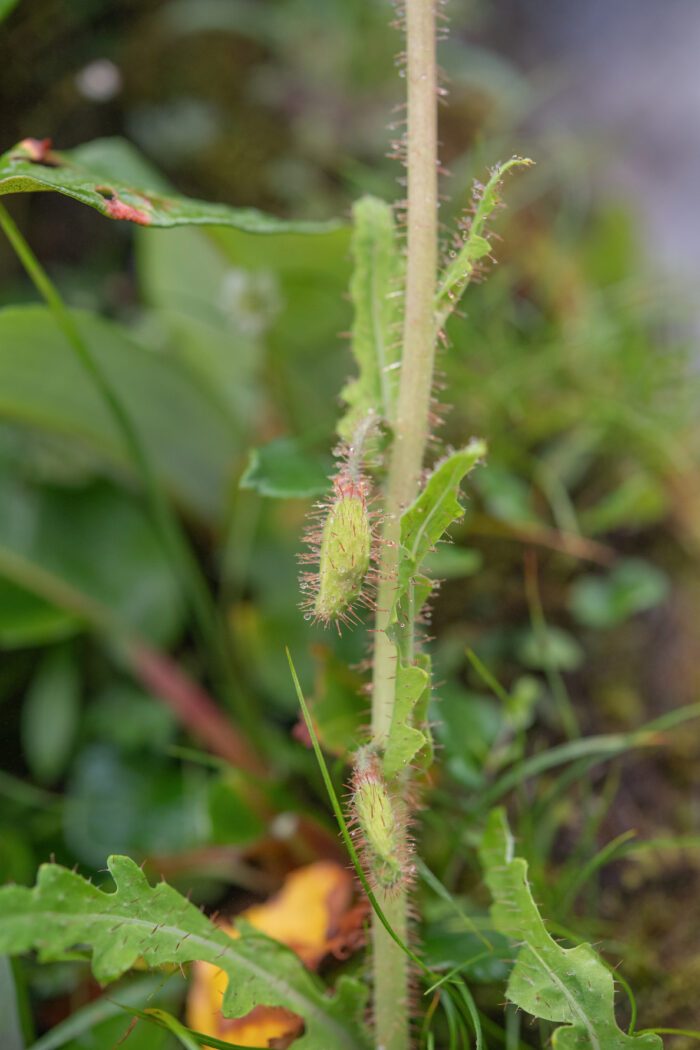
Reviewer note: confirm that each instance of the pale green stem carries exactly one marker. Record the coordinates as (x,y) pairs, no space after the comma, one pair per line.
(411,430)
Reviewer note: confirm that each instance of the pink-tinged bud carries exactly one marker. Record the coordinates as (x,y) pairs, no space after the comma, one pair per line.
(342,544)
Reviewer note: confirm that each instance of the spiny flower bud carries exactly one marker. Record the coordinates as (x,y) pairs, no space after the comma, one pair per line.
(346,546)
(377,817)
(342,544)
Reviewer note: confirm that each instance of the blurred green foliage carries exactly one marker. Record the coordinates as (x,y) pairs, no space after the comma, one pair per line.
(570,361)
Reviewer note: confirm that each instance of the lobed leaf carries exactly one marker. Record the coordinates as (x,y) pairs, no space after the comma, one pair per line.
(567,985)
(425,522)
(423,525)
(374,293)
(156,924)
(406,739)
(475,245)
(32,166)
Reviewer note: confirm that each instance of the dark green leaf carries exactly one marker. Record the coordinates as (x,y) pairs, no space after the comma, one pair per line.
(50,715)
(87,1022)
(214,314)
(120,802)
(233,820)
(26,619)
(6,6)
(186,437)
(452,563)
(282,470)
(32,166)
(549,647)
(638,501)
(88,550)
(631,587)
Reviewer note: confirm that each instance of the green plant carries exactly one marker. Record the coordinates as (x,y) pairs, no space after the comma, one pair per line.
(385,430)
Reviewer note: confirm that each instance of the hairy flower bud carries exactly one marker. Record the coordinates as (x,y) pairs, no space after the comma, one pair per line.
(346,546)
(342,544)
(377,817)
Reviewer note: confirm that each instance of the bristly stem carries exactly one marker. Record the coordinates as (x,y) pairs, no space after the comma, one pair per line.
(411,430)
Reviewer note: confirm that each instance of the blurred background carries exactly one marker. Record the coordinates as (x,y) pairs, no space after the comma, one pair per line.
(574,576)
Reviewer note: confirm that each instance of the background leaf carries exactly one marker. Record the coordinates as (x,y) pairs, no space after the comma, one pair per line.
(54,540)
(632,586)
(281,470)
(185,435)
(6,6)
(50,715)
(10,1010)
(86,175)
(26,619)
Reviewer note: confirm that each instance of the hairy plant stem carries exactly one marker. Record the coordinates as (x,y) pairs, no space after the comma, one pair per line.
(411,428)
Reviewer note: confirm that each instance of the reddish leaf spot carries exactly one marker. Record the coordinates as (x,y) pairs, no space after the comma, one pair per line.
(38,151)
(117,209)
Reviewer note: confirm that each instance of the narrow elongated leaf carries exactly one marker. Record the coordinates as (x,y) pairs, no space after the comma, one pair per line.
(567,985)
(50,715)
(374,289)
(10,1012)
(158,925)
(32,166)
(186,436)
(142,990)
(474,244)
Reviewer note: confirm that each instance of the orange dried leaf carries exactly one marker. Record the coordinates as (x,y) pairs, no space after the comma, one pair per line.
(310,915)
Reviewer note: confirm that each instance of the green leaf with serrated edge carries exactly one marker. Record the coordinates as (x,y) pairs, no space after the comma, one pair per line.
(425,522)
(405,741)
(32,166)
(156,924)
(475,246)
(424,758)
(568,985)
(373,290)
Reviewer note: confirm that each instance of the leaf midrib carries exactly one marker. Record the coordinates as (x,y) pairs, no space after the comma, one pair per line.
(306,1005)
